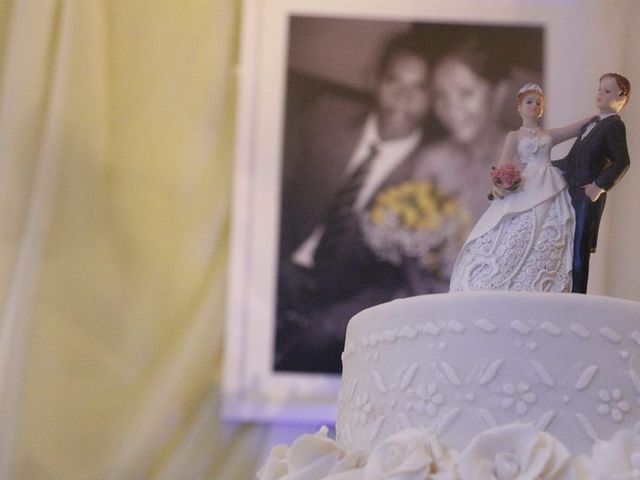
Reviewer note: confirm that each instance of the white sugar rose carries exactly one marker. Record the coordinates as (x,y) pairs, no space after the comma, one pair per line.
(410,455)
(312,457)
(618,458)
(276,466)
(516,452)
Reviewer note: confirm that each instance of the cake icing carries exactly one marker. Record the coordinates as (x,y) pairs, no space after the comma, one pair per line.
(483,385)
(459,364)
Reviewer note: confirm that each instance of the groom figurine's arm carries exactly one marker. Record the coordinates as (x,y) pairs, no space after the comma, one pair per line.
(618,154)
(559,135)
(563,164)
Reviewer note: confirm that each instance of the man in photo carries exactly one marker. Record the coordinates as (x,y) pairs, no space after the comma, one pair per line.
(345,152)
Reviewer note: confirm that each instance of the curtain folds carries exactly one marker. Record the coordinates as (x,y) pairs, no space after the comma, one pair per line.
(116,123)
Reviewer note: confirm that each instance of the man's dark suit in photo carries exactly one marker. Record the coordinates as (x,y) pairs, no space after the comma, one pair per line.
(327,272)
(596,162)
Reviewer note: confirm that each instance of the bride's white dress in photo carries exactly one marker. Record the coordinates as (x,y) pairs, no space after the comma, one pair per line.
(524,241)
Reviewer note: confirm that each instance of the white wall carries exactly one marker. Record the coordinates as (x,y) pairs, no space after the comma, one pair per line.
(623,249)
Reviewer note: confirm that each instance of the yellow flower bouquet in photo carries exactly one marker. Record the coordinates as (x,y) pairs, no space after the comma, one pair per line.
(416,220)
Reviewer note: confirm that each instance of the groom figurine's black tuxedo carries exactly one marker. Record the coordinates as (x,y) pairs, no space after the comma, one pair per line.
(597,161)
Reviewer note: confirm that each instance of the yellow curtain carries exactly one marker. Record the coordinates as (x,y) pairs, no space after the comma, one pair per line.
(116,124)
(116,132)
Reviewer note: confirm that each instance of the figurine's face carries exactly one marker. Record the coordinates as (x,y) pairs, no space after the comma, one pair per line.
(402,96)
(463,100)
(531,106)
(608,97)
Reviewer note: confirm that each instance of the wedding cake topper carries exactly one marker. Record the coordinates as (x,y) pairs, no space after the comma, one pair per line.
(573,188)
(531,206)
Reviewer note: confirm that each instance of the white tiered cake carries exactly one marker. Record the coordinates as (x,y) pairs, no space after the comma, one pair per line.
(482,385)
(459,364)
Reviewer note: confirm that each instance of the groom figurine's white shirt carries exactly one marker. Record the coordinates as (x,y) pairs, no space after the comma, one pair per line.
(592,124)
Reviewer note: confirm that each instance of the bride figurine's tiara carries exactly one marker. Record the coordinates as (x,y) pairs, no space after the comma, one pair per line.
(531,87)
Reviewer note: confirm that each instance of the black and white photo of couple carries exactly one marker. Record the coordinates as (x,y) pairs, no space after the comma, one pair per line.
(390,132)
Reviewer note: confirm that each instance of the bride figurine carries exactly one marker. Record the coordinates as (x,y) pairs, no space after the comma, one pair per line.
(524,240)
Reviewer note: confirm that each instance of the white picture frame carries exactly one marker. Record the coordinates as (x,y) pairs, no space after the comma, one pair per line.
(252,389)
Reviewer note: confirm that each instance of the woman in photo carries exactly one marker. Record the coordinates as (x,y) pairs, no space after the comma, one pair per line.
(470,85)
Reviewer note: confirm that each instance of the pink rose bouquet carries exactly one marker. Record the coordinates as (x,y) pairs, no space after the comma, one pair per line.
(506,178)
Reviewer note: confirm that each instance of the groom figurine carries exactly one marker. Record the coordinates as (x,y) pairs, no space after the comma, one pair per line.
(597,161)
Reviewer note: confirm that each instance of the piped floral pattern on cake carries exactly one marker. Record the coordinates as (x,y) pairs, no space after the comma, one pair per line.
(519,384)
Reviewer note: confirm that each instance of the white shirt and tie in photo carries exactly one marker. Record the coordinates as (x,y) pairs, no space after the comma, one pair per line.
(389,155)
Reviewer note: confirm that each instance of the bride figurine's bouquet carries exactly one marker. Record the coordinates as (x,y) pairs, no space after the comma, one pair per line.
(506,178)
(417,221)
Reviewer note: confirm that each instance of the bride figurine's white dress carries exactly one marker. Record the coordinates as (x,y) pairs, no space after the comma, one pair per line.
(525,240)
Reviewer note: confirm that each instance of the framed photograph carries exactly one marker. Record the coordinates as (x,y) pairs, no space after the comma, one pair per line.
(364,132)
